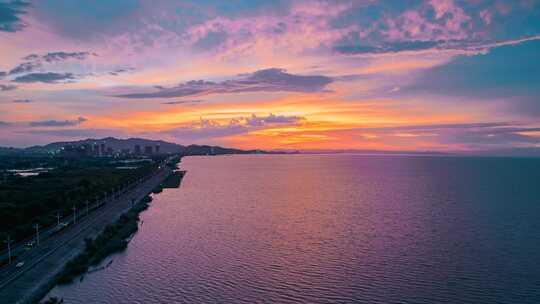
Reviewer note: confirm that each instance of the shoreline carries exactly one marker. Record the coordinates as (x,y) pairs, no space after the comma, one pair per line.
(112,239)
(31,285)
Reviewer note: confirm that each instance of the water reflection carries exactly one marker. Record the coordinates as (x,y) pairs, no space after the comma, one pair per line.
(333,229)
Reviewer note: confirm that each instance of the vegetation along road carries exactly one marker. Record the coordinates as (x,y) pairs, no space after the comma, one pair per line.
(33,272)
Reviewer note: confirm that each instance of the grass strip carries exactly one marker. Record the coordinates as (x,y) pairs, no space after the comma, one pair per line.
(111,240)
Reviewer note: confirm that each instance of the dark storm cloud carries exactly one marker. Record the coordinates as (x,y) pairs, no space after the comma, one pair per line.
(268,80)
(10,15)
(58,123)
(45,77)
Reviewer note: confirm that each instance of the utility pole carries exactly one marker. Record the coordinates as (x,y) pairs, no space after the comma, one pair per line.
(74,214)
(8,241)
(37,233)
(58,219)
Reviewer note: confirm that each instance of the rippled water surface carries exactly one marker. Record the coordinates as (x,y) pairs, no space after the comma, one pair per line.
(333,229)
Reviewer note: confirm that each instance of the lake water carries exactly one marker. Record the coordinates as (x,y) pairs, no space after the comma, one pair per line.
(333,229)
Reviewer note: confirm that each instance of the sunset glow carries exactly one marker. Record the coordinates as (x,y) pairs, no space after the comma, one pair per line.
(432,75)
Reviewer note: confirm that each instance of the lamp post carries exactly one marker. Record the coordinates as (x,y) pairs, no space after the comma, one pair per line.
(74,214)
(37,233)
(8,241)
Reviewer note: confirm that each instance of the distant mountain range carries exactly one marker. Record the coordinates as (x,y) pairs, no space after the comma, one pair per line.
(117,144)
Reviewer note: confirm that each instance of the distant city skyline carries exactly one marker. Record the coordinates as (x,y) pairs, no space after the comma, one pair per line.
(424,75)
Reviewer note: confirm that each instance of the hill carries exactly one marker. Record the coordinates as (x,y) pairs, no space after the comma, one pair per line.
(130,144)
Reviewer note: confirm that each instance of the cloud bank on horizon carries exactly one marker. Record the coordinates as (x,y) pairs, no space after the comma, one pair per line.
(306,74)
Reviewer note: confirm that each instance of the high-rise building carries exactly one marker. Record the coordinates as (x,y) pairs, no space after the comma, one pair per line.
(102,149)
(157,149)
(137,149)
(148,150)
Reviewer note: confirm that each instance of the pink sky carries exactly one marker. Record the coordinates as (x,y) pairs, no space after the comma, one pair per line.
(437,75)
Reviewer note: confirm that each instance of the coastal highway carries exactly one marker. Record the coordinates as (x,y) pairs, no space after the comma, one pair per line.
(19,249)
(41,263)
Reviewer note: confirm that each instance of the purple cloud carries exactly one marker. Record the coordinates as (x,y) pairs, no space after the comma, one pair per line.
(208,131)
(22,101)
(25,67)
(35,61)
(58,123)
(45,77)
(391,26)
(7,87)
(207,128)
(121,71)
(258,121)
(182,102)
(10,15)
(269,80)
(60,56)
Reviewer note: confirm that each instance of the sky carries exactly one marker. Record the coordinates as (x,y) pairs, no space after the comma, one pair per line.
(415,75)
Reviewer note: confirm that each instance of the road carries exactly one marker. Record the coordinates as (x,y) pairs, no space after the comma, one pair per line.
(41,263)
(20,248)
